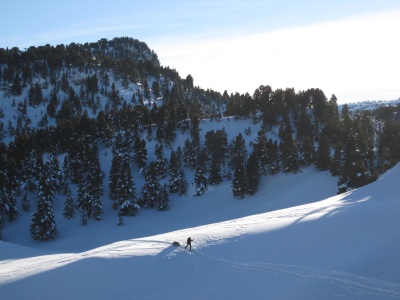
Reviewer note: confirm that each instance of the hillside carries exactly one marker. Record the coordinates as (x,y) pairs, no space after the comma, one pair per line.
(344,247)
(107,157)
(89,130)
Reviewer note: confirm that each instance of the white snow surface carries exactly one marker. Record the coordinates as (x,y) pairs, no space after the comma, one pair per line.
(285,242)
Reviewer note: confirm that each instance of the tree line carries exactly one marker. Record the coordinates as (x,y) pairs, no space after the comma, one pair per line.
(86,113)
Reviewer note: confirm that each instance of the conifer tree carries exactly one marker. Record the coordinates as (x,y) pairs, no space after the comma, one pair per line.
(26,204)
(55,173)
(90,186)
(8,205)
(163,201)
(113,180)
(160,161)
(323,160)
(69,206)
(140,155)
(43,223)
(238,151)
(200,178)
(127,200)
(152,190)
(239,179)
(253,171)
(215,175)
(177,180)
(288,150)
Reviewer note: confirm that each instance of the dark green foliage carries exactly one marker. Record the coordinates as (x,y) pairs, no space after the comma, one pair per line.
(81,78)
(323,160)
(288,150)
(177,180)
(354,172)
(200,178)
(163,202)
(69,206)
(127,197)
(16,88)
(152,189)
(253,172)
(35,95)
(43,223)
(26,204)
(239,178)
(140,154)
(389,144)
(160,161)
(216,145)
(238,151)
(90,185)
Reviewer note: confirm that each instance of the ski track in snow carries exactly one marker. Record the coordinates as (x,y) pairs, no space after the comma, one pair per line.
(12,270)
(371,285)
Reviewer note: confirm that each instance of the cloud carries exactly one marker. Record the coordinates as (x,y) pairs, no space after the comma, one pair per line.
(355,58)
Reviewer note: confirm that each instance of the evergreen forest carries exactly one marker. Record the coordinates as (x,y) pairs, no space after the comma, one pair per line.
(66,109)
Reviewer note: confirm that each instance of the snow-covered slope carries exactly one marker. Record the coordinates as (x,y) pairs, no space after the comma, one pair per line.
(344,247)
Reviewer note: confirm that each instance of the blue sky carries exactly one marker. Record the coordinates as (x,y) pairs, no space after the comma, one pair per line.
(245,43)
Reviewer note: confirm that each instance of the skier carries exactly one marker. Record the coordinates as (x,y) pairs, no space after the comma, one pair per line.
(189,243)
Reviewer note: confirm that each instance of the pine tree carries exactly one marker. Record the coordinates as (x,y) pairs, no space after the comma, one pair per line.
(152,189)
(69,206)
(289,151)
(43,223)
(182,182)
(173,173)
(26,204)
(113,180)
(8,205)
(127,200)
(160,161)
(239,179)
(200,178)
(140,155)
(323,160)
(238,151)
(163,203)
(90,185)
(253,171)
(56,176)
(215,175)
(177,180)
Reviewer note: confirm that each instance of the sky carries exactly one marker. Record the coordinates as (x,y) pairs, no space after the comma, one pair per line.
(346,47)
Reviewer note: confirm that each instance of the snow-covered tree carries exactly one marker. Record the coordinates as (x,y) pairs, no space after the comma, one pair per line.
(152,189)
(69,206)
(163,203)
(177,180)
(43,223)
(90,186)
(26,204)
(161,162)
(239,179)
(140,155)
(200,177)
(253,172)
(127,200)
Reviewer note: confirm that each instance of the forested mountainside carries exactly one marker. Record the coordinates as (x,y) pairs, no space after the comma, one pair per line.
(64,107)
